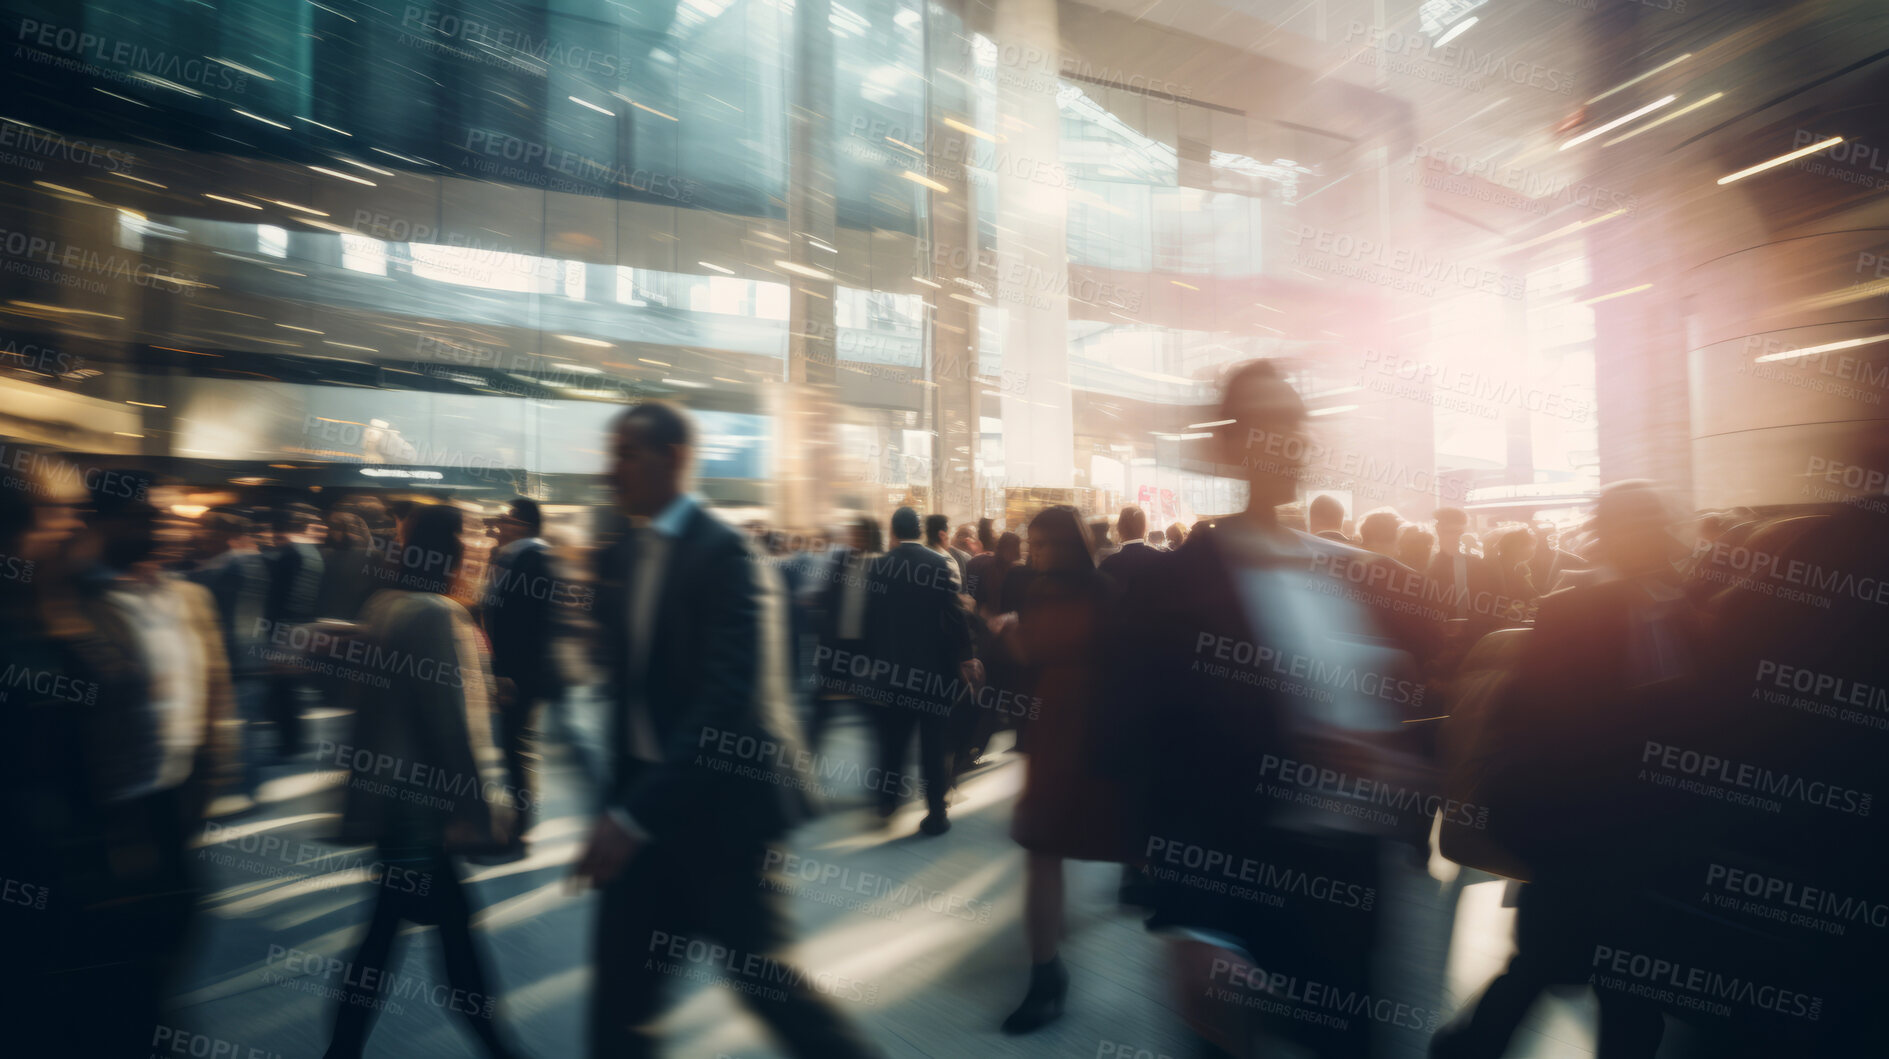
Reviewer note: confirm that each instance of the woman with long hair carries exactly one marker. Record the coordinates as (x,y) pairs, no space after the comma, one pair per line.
(424,697)
(1070,810)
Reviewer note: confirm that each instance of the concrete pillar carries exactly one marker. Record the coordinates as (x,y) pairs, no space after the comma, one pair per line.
(803,489)
(1032,261)
(951,238)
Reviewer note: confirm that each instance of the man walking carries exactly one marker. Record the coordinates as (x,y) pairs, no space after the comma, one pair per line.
(702,743)
(918,632)
(520,616)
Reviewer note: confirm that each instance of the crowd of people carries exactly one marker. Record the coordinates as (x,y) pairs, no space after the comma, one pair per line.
(1257,718)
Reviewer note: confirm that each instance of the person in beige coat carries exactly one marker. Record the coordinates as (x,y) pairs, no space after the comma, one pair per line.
(424,783)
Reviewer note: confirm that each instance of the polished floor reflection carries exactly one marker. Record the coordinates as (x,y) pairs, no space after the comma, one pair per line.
(930,923)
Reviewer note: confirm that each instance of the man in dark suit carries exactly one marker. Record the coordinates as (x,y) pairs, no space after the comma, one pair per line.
(918,634)
(230,566)
(519,609)
(1469,584)
(295,568)
(938,539)
(704,751)
(1136,558)
(1223,745)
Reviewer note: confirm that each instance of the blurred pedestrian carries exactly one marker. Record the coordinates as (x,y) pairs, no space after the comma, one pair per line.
(937,532)
(1070,808)
(1207,723)
(1136,558)
(700,672)
(1324,516)
(521,612)
(1377,532)
(229,564)
(841,624)
(1415,545)
(350,567)
(295,576)
(160,764)
(425,700)
(1608,667)
(918,632)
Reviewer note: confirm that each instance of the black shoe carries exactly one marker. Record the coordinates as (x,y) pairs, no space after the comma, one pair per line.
(934,824)
(1043,1004)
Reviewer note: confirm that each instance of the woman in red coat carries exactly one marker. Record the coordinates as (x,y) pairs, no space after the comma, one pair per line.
(1069,810)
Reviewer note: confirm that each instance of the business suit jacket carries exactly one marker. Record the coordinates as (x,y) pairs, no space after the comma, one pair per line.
(520,612)
(1211,726)
(915,622)
(1204,710)
(239,584)
(294,582)
(1135,560)
(715,687)
(963,559)
(1484,581)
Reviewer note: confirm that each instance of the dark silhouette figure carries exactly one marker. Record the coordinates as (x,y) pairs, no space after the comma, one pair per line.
(521,614)
(917,625)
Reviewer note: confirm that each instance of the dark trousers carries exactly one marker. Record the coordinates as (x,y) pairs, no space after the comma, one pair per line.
(934,755)
(971,728)
(252,709)
(692,911)
(820,717)
(1555,926)
(285,709)
(398,900)
(515,739)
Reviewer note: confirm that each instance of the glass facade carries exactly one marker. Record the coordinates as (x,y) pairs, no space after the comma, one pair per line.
(910,246)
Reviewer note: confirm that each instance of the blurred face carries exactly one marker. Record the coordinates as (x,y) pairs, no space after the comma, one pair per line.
(54,525)
(1268,438)
(1044,554)
(645,476)
(1641,547)
(1450,532)
(506,529)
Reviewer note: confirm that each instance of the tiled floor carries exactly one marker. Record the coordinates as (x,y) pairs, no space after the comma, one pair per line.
(931,923)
